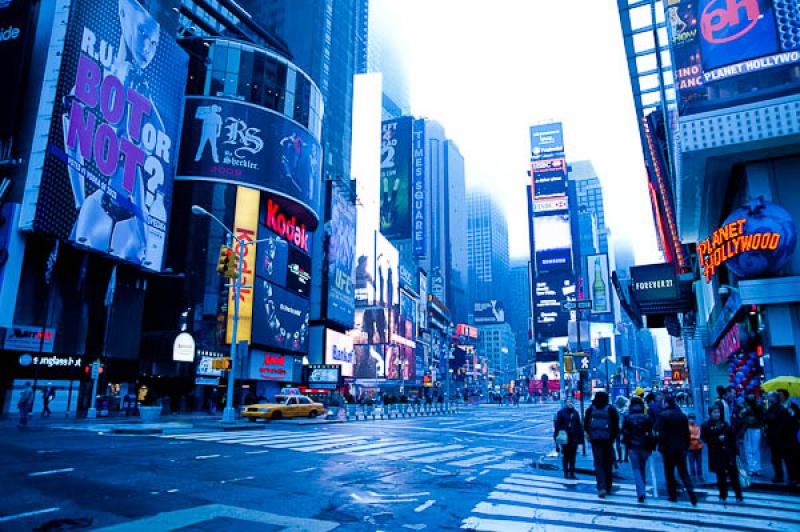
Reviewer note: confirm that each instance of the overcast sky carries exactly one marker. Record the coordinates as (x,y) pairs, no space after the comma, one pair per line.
(487,70)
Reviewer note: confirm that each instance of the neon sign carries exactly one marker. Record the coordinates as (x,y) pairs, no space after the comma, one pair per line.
(729,241)
(722,21)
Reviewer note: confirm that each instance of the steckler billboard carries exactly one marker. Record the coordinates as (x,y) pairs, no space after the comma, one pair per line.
(547,141)
(728,52)
(396,177)
(340,248)
(227,141)
(107,175)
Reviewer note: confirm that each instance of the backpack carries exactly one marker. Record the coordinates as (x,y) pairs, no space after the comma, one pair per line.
(600,424)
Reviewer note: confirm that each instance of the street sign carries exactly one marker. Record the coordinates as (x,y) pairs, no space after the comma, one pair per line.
(584,304)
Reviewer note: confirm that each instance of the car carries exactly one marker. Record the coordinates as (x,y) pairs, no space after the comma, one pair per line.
(285,406)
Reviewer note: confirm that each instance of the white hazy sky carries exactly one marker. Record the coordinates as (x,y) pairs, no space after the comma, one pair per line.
(488,69)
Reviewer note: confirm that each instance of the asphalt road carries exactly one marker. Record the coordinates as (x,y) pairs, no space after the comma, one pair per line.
(437,473)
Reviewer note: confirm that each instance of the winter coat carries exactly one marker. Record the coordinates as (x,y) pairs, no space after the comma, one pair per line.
(780,428)
(721,442)
(673,430)
(569,420)
(613,416)
(637,430)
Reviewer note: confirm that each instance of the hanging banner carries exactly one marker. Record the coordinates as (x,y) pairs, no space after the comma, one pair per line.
(245,228)
(418,182)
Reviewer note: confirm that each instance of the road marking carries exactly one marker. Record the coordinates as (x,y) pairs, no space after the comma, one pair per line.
(179,442)
(7,518)
(469,479)
(207,456)
(51,472)
(450,456)
(483,459)
(424,506)
(349,442)
(306,470)
(484,472)
(48,451)
(382,443)
(236,480)
(501,435)
(406,447)
(496,525)
(400,495)
(173,490)
(257,452)
(432,449)
(378,500)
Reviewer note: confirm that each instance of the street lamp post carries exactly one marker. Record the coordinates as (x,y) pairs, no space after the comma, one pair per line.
(229,413)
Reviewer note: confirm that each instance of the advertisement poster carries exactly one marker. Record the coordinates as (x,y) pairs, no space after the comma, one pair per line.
(339,350)
(552,237)
(280,318)
(549,291)
(400,363)
(112,144)
(396,178)
(298,273)
(549,178)
(370,362)
(340,247)
(418,182)
(236,142)
(245,226)
(16,35)
(547,141)
(598,287)
(730,52)
(487,312)
(272,257)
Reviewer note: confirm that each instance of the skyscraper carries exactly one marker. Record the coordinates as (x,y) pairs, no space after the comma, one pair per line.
(589,196)
(518,309)
(385,55)
(487,247)
(457,262)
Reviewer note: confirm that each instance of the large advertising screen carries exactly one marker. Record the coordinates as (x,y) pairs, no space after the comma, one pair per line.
(16,35)
(396,177)
(733,51)
(112,145)
(280,318)
(549,291)
(340,245)
(549,178)
(339,350)
(487,312)
(598,287)
(552,237)
(547,141)
(237,142)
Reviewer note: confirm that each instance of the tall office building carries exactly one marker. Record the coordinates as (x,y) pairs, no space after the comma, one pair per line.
(497,343)
(323,37)
(487,247)
(518,308)
(385,55)
(589,197)
(457,262)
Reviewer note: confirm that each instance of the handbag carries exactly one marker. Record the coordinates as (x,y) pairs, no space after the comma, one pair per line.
(562,438)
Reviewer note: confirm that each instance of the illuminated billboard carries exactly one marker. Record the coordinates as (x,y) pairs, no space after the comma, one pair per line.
(234,142)
(339,350)
(488,312)
(549,291)
(549,178)
(729,52)
(396,177)
(547,141)
(418,189)
(340,246)
(598,287)
(280,318)
(17,25)
(552,242)
(107,175)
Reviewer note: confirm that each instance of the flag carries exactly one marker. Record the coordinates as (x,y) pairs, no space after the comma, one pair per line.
(112,286)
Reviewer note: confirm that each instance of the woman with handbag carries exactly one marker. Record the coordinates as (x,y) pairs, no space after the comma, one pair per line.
(637,435)
(568,434)
(722,452)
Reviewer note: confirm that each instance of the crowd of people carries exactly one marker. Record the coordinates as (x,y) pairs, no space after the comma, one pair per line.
(633,430)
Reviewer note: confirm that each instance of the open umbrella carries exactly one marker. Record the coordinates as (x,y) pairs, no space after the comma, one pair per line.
(792,384)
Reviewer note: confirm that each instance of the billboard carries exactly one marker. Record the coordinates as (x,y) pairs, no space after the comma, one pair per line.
(549,178)
(107,175)
(728,52)
(547,141)
(370,362)
(654,283)
(552,238)
(418,184)
(339,350)
(280,318)
(245,225)
(396,177)
(556,204)
(340,245)
(598,285)
(16,35)
(486,312)
(400,362)
(245,144)
(549,291)
(387,277)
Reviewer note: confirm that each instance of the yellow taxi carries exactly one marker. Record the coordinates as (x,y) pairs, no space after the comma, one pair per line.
(285,406)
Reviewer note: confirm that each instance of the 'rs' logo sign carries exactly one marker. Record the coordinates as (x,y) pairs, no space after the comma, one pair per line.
(726,20)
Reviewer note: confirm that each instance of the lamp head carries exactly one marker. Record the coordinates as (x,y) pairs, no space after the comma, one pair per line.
(197,210)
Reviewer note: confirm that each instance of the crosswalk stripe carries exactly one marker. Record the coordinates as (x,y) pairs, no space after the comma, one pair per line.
(266,440)
(480,460)
(422,452)
(498,525)
(382,443)
(524,486)
(542,514)
(452,455)
(349,442)
(627,506)
(407,447)
(310,440)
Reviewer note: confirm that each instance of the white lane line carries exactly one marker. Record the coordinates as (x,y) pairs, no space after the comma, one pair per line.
(406,447)
(502,435)
(383,443)
(400,495)
(257,452)
(450,456)
(7,518)
(566,517)
(483,472)
(347,443)
(51,472)
(48,451)
(236,479)
(379,500)
(469,479)
(206,456)
(304,442)
(483,459)
(173,490)
(420,452)
(424,506)
(497,525)
(306,470)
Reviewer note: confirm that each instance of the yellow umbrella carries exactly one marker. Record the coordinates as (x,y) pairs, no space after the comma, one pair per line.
(792,384)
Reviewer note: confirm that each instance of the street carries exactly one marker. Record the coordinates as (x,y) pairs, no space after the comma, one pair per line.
(470,471)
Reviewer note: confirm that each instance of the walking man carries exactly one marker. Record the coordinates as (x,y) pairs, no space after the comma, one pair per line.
(25,404)
(48,394)
(568,435)
(752,421)
(673,441)
(722,451)
(601,424)
(637,435)
(781,438)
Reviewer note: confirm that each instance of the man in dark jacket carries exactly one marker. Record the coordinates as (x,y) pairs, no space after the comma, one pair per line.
(672,427)
(568,420)
(637,435)
(722,451)
(781,438)
(601,424)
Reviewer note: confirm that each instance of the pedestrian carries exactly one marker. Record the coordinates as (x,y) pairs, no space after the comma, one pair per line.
(545,387)
(621,403)
(722,452)
(781,439)
(25,404)
(601,424)
(752,424)
(568,434)
(672,427)
(723,403)
(48,394)
(695,450)
(637,435)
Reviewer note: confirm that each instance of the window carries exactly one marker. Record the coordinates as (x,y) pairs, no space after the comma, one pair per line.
(292,401)
(304,400)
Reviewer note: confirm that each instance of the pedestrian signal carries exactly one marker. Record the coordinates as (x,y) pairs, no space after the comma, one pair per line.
(222,262)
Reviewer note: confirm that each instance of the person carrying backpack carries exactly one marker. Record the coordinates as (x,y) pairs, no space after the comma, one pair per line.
(637,435)
(673,442)
(601,424)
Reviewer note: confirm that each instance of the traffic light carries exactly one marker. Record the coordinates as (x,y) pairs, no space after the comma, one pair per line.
(568,367)
(222,262)
(232,266)
(221,363)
